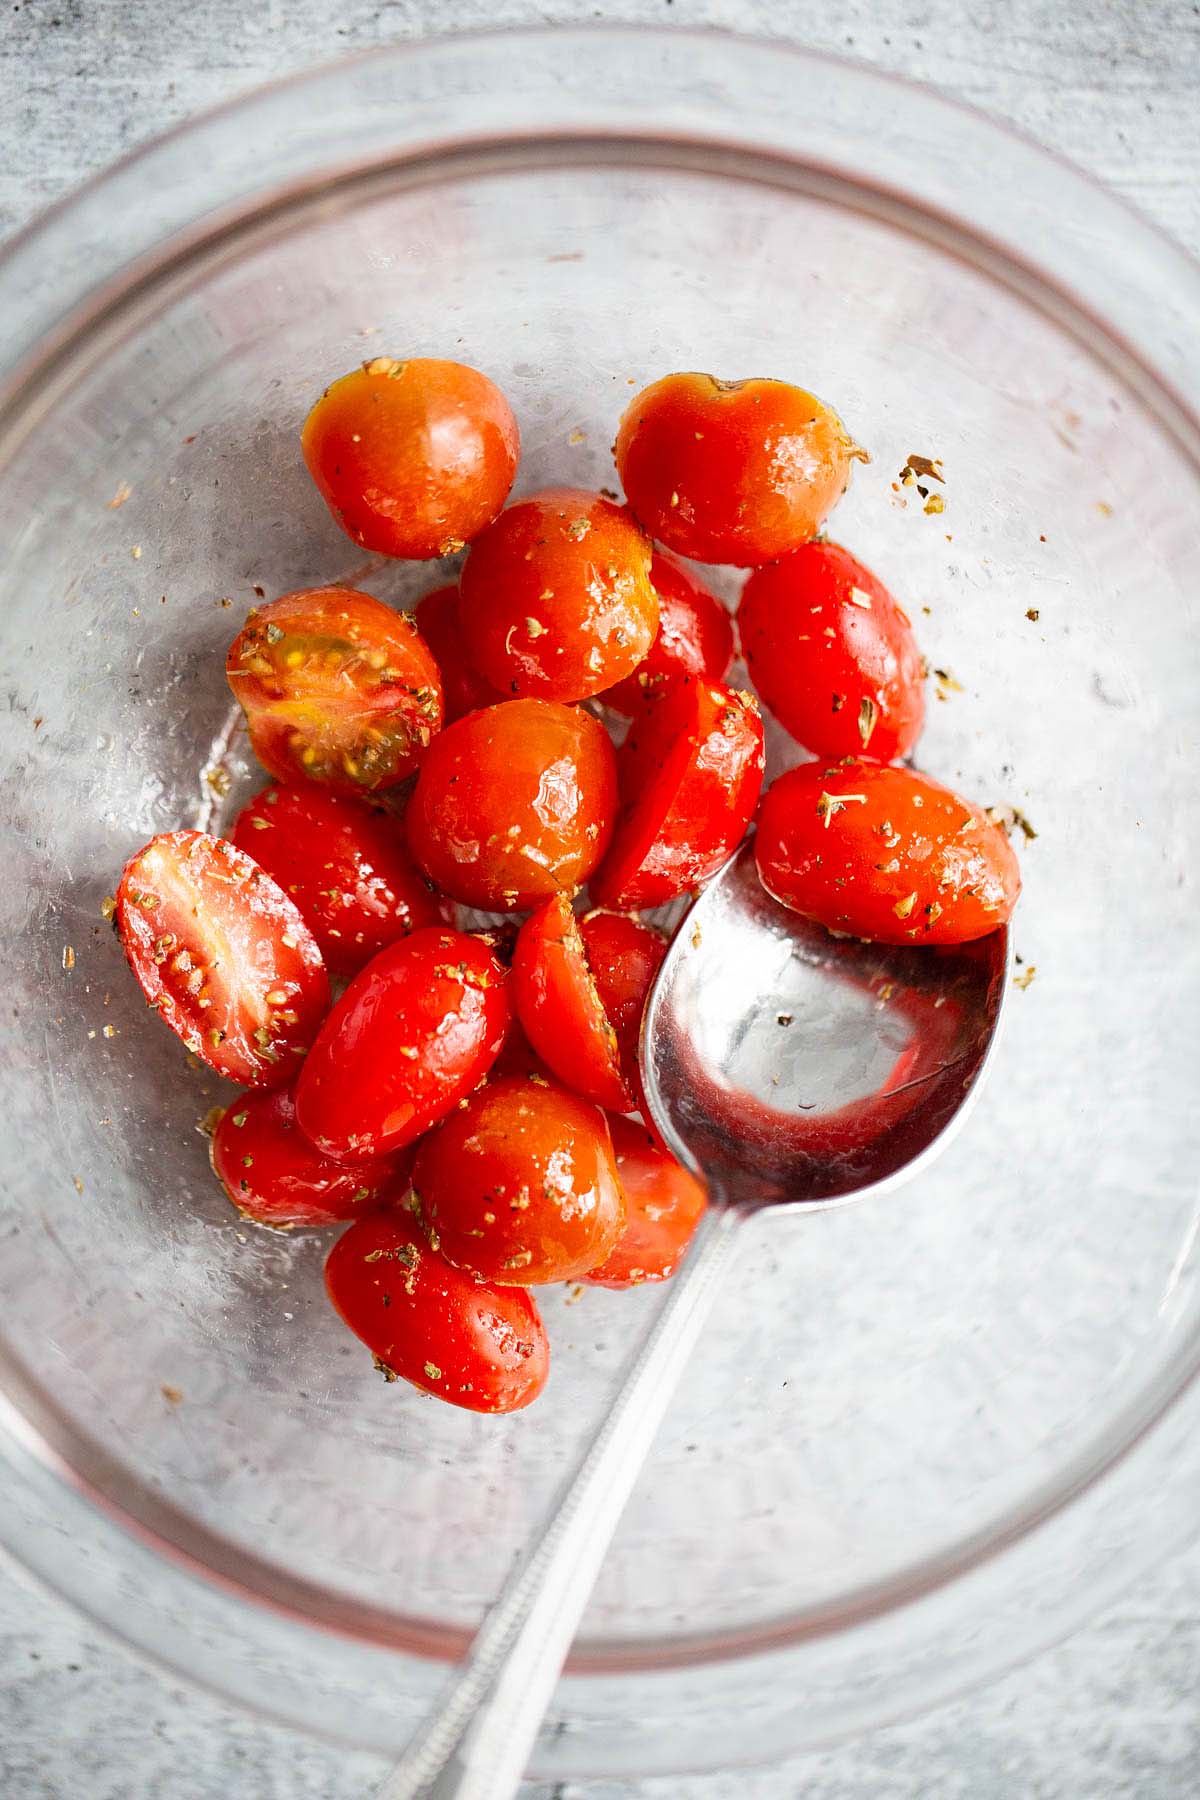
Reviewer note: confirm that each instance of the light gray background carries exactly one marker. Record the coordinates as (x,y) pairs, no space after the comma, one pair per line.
(1116,87)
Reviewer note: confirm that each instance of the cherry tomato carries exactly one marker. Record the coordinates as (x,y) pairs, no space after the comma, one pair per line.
(345,865)
(413,458)
(473,1344)
(695,636)
(732,471)
(413,1033)
(558,1006)
(832,654)
(337,687)
(520,1183)
(555,598)
(689,775)
(272,1173)
(514,803)
(223,954)
(463,687)
(518,1057)
(884,854)
(624,956)
(664,1205)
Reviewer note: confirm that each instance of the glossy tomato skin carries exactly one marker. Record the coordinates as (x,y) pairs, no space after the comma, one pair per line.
(665,1204)
(464,689)
(476,1345)
(832,655)
(624,956)
(336,688)
(559,1009)
(514,803)
(520,1184)
(274,1176)
(413,458)
(695,636)
(732,471)
(345,864)
(689,775)
(555,599)
(223,955)
(413,1033)
(884,854)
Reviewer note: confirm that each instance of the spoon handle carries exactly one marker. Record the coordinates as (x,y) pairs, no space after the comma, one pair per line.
(476,1744)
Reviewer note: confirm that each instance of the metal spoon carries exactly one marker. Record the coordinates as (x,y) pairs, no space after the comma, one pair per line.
(792,1069)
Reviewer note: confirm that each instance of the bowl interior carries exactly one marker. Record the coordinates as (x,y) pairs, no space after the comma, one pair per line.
(879,1384)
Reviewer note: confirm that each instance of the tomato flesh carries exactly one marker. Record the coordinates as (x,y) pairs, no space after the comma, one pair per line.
(560,1010)
(514,803)
(223,955)
(832,655)
(695,636)
(665,1204)
(413,458)
(732,471)
(520,1184)
(464,689)
(689,775)
(336,688)
(476,1345)
(556,599)
(624,956)
(274,1176)
(411,1035)
(884,854)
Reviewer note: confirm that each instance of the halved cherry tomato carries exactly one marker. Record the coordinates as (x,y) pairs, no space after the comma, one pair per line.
(624,956)
(223,954)
(832,654)
(413,458)
(337,687)
(884,854)
(555,598)
(514,803)
(695,636)
(520,1184)
(518,1057)
(689,775)
(664,1205)
(560,1010)
(463,687)
(413,1033)
(272,1173)
(732,471)
(476,1345)
(347,867)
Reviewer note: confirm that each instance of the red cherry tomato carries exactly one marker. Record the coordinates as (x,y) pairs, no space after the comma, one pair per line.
(345,865)
(272,1173)
(689,775)
(732,471)
(555,598)
(520,1183)
(514,803)
(413,458)
(695,636)
(560,1010)
(664,1204)
(223,954)
(413,1033)
(475,1345)
(832,654)
(518,1057)
(624,956)
(884,854)
(337,687)
(463,687)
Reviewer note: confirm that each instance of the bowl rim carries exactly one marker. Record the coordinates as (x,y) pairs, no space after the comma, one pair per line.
(1149,346)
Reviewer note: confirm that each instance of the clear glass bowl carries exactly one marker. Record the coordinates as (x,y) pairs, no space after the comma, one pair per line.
(922,1437)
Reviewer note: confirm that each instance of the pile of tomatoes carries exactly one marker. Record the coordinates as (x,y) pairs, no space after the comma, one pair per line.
(466,1101)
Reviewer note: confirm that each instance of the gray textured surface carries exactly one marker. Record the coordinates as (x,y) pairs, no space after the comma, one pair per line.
(1113,1712)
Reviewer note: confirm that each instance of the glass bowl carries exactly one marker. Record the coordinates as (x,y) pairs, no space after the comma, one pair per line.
(922,1437)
